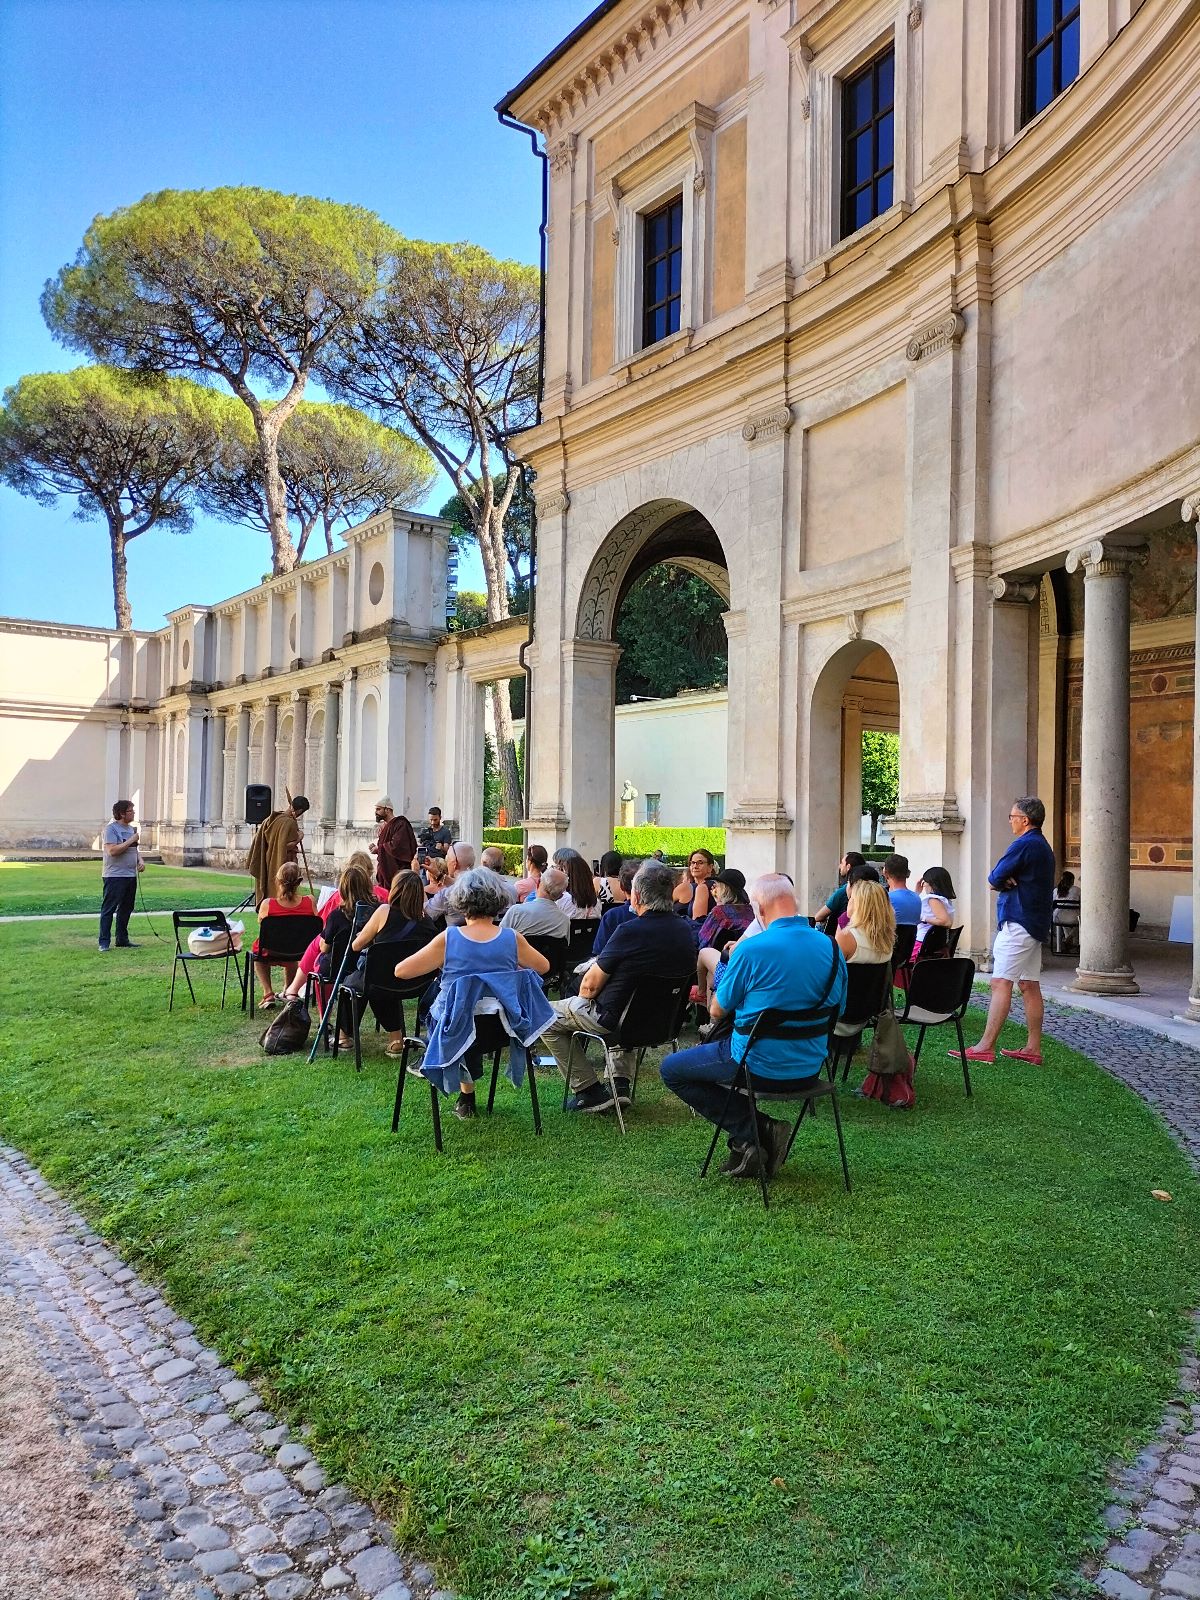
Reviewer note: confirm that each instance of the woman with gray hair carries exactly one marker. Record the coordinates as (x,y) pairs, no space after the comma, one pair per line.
(484,970)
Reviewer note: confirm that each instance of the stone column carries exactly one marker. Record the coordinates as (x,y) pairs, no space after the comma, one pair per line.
(329,755)
(1009,743)
(852,732)
(215,800)
(1104,767)
(587,741)
(347,749)
(241,764)
(1191,513)
(268,750)
(299,741)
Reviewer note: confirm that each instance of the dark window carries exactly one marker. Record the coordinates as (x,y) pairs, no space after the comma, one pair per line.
(1051,51)
(662,271)
(868,142)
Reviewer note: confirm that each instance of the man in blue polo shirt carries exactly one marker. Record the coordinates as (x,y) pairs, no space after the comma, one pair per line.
(789,966)
(1025,876)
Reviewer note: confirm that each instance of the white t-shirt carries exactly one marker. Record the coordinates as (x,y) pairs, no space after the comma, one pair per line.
(126,864)
(927,921)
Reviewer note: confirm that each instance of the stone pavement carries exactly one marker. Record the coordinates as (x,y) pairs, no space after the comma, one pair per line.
(211,1497)
(1155,1509)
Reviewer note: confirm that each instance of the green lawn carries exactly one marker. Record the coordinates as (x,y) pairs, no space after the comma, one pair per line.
(29,888)
(569,1369)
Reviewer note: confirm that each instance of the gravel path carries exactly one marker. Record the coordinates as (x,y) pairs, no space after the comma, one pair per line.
(133,1466)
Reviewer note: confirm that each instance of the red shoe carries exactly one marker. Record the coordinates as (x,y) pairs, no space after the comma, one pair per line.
(1033,1058)
(973,1054)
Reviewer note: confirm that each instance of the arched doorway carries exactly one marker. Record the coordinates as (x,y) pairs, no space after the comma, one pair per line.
(857,693)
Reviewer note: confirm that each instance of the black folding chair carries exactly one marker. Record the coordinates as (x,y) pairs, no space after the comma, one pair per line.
(935,945)
(555,952)
(792,1026)
(653,1015)
(939,992)
(868,991)
(491,1036)
(902,947)
(581,940)
(952,945)
(340,960)
(379,982)
(186,922)
(282,941)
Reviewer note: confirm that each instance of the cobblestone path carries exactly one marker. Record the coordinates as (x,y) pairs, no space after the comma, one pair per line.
(178,1480)
(1155,1510)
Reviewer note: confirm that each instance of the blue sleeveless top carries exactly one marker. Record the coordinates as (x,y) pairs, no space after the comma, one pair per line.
(468,957)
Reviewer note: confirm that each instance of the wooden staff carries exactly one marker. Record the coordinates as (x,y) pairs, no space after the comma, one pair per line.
(303,857)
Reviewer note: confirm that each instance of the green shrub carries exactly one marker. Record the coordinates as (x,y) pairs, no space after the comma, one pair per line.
(514,858)
(676,844)
(504,836)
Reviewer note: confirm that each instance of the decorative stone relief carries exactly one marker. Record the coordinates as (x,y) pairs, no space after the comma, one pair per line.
(769,426)
(603,581)
(937,336)
(914,15)
(561,154)
(1191,509)
(553,505)
(854,624)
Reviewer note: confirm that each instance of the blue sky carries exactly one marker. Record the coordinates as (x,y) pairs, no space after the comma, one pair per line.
(383,103)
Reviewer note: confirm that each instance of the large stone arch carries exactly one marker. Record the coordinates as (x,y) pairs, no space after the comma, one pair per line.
(665,530)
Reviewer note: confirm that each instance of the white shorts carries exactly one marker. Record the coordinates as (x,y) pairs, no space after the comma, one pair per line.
(1016,954)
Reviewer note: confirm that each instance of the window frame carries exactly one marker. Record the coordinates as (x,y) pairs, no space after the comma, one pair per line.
(655,820)
(673,204)
(1029,51)
(846,195)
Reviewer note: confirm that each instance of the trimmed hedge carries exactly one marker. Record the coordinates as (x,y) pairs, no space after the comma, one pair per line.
(514,856)
(504,836)
(671,841)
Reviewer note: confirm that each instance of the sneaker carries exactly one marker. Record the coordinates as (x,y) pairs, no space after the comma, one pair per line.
(774,1136)
(127,945)
(623,1096)
(596,1097)
(737,1154)
(103,949)
(415,1070)
(464,1107)
(748,1166)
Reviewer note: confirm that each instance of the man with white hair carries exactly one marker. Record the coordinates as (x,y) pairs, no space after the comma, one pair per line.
(493,859)
(460,858)
(542,917)
(788,967)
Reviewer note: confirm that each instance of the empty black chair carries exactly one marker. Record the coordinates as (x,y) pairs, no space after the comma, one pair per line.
(902,948)
(555,952)
(283,940)
(868,991)
(379,984)
(955,936)
(653,1015)
(815,1022)
(491,1037)
(186,922)
(939,992)
(582,938)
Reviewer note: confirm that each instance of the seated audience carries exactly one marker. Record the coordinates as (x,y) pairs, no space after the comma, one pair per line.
(835,906)
(789,967)
(608,885)
(459,858)
(436,873)
(937,902)
(475,949)
(728,920)
(493,859)
(354,887)
(653,943)
(693,893)
(868,937)
(905,902)
(536,861)
(580,899)
(616,915)
(401,923)
(543,916)
(287,901)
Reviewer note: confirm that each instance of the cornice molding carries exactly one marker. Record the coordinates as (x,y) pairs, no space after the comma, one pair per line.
(848,600)
(971,561)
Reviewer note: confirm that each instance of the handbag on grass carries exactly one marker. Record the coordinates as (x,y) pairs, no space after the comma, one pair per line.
(287,1032)
(889,1048)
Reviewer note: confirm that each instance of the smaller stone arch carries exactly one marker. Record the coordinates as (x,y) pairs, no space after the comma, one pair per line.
(659,531)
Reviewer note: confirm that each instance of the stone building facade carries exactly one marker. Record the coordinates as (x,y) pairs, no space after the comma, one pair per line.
(889,329)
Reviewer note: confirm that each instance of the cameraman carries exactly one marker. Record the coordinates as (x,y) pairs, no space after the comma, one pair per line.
(120,874)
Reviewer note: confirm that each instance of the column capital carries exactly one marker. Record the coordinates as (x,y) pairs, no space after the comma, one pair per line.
(597,650)
(852,702)
(1103,557)
(1191,508)
(1014,591)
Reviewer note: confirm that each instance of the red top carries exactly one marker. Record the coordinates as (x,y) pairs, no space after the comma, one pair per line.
(303,909)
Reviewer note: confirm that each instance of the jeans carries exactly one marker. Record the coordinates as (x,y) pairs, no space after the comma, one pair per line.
(701,1077)
(119,895)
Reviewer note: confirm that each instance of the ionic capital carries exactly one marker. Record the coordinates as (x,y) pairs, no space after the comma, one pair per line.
(1191,509)
(1101,558)
(1013,591)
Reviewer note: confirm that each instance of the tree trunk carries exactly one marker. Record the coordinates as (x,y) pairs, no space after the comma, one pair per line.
(283,552)
(511,797)
(120,574)
(874,828)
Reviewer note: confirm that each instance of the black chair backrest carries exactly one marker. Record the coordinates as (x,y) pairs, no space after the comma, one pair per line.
(814,1022)
(583,937)
(379,974)
(866,990)
(190,920)
(287,938)
(554,950)
(906,937)
(941,986)
(654,1011)
(955,936)
(935,943)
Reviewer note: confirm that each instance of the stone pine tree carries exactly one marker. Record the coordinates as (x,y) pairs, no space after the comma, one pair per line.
(129,449)
(450,351)
(338,466)
(880,775)
(243,287)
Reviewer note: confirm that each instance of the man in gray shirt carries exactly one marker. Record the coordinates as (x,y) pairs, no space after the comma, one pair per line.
(120,874)
(542,917)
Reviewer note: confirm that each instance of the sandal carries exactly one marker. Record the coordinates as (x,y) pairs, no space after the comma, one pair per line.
(394,1050)
(268,1002)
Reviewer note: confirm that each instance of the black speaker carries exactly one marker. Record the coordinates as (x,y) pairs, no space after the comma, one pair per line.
(258,802)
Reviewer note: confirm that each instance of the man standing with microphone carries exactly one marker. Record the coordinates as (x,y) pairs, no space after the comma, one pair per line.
(119,874)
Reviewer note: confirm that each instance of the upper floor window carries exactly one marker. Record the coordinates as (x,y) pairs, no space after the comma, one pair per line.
(662,271)
(868,142)
(1051,51)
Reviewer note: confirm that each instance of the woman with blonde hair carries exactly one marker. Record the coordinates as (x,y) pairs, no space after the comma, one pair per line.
(871,932)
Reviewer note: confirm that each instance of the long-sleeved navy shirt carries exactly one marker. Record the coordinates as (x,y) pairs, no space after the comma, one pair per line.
(1028,860)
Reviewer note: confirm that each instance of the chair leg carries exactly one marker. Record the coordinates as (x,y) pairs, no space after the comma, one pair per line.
(612,1084)
(804,1109)
(356,1021)
(174,970)
(400,1077)
(492,1085)
(437,1116)
(531,1074)
(225,980)
(717,1127)
(758,1149)
(920,1042)
(837,1122)
(962,1056)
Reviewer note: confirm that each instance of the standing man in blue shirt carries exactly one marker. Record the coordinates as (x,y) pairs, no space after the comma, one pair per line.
(789,966)
(1025,876)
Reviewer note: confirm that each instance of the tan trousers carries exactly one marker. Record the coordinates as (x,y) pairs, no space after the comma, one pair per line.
(577,1015)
